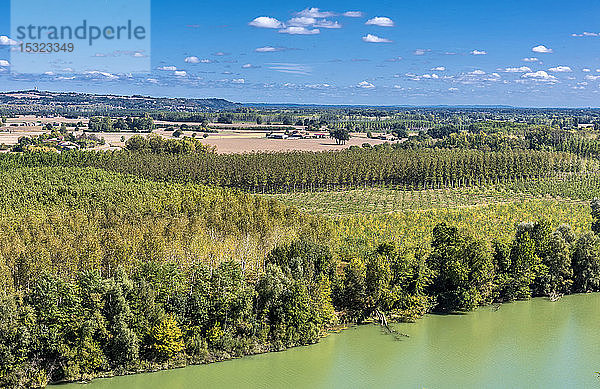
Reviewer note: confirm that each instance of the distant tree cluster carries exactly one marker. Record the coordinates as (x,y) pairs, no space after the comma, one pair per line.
(128,124)
(159,145)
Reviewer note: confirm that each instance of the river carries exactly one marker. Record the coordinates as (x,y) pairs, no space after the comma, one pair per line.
(527,344)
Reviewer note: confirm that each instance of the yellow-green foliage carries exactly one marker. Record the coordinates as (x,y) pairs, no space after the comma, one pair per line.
(68,220)
(413,229)
(166,339)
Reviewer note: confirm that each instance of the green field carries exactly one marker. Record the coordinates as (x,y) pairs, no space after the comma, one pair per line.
(378,200)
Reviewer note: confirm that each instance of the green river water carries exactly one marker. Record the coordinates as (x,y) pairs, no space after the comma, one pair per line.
(528,344)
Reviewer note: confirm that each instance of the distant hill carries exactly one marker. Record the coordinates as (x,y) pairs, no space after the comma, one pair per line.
(40,102)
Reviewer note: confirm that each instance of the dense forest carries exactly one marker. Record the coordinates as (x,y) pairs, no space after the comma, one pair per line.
(105,273)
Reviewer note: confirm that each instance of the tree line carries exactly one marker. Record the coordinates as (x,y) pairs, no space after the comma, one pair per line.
(297,170)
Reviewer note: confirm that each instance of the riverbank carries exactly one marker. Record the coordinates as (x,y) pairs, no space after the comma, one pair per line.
(526,344)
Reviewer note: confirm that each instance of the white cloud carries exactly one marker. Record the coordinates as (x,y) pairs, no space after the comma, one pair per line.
(586,70)
(297,30)
(585,33)
(365,85)
(477,72)
(268,49)
(561,69)
(317,86)
(266,22)
(168,68)
(302,21)
(152,80)
(380,21)
(375,39)
(522,69)
(439,69)
(238,81)
(315,13)
(4,62)
(291,68)
(247,66)
(327,24)
(592,78)
(96,73)
(180,73)
(452,89)
(46,73)
(416,77)
(421,51)
(192,60)
(531,59)
(542,49)
(6,41)
(353,14)
(478,52)
(540,75)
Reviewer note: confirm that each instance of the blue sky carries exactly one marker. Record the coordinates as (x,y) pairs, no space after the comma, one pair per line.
(522,53)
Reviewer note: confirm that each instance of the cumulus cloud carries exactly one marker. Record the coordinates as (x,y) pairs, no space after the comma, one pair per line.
(370,38)
(478,52)
(327,24)
(168,68)
(99,74)
(6,41)
(192,59)
(542,49)
(421,51)
(381,21)
(249,66)
(353,14)
(297,30)
(592,78)
(522,69)
(315,13)
(365,85)
(439,69)
(302,21)
(238,81)
(586,70)
(4,63)
(180,73)
(540,75)
(477,72)
(561,69)
(531,59)
(266,22)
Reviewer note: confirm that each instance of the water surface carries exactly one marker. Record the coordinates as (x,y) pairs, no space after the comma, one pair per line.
(528,344)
